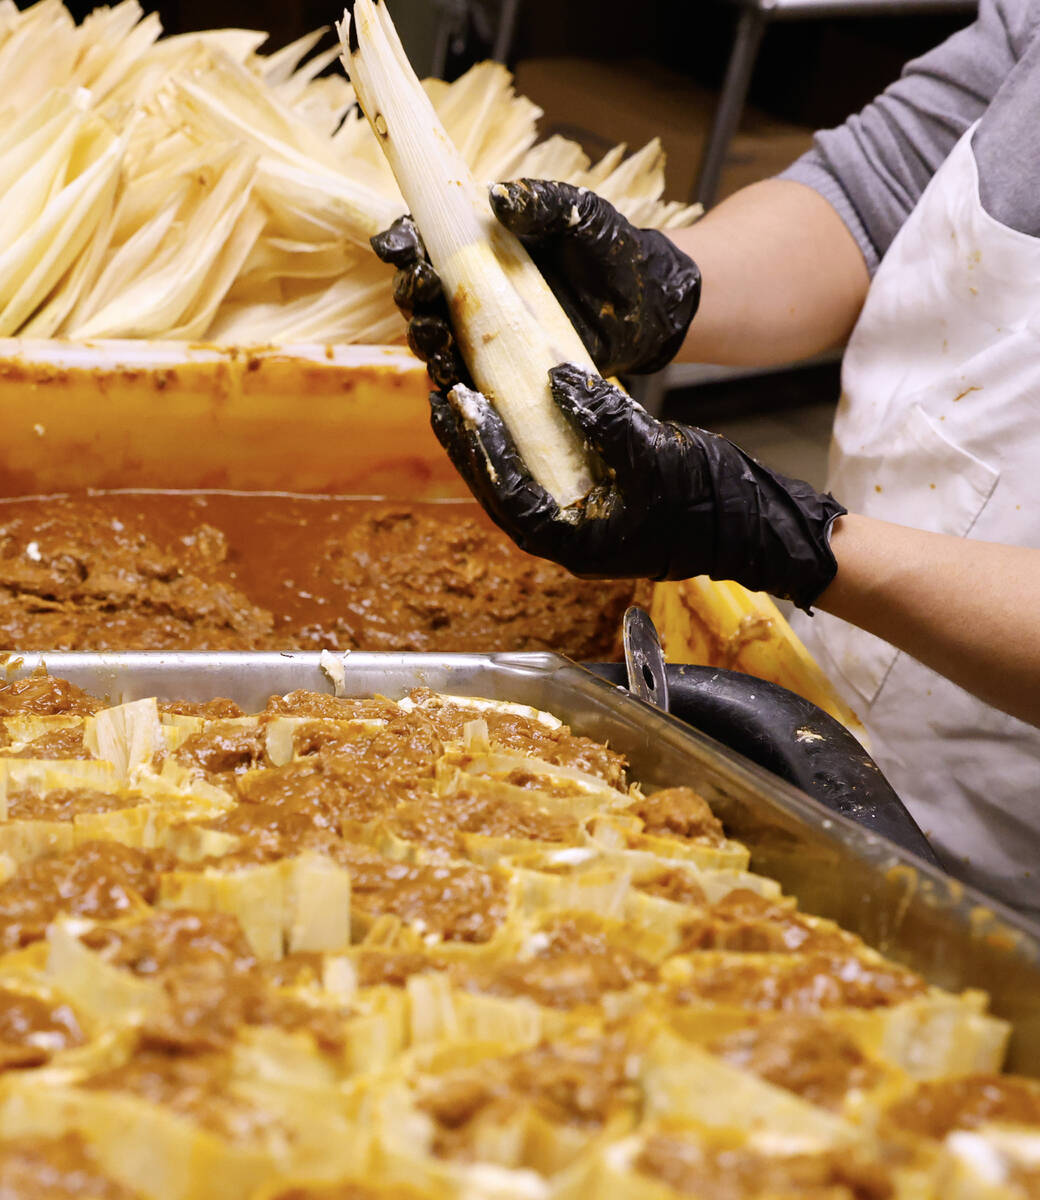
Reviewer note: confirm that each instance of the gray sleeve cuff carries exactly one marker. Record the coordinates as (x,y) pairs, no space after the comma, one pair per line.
(811,171)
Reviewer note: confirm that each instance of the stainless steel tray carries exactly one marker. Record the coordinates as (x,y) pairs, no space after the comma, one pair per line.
(951,934)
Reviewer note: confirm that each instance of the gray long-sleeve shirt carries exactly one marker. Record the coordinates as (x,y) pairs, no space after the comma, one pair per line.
(874,168)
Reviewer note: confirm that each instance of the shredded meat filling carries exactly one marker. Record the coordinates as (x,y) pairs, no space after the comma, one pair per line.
(209,710)
(223,749)
(352,1191)
(673,884)
(31,1030)
(711,1173)
(322,706)
(213,983)
(516,734)
(220,571)
(46,696)
(106,584)
(801,984)
(58,743)
(438,822)
(680,813)
(403,744)
(580,1083)
(414,578)
(195,1086)
(97,879)
(937,1107)
(746,921)
(64,804)
(802,1054)
(457,902)
(392,968)
(574,962)
(60,1168)
(332,789)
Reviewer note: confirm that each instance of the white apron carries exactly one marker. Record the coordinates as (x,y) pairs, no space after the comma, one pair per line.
(939,428)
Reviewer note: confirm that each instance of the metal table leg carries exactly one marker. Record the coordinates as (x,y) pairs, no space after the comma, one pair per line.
(742,58)
(507,17)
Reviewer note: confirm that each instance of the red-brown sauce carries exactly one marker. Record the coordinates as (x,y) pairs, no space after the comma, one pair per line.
(182,570)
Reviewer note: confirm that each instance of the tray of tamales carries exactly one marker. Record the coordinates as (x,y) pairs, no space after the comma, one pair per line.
(420,926)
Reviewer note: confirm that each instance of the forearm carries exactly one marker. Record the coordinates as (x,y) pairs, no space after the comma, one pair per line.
(783,278)
(966,609)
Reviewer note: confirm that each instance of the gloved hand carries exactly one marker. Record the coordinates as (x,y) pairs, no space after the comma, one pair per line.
(419,295)
(676,501)
(630,293)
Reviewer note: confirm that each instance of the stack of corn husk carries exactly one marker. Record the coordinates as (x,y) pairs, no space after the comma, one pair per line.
(192,188)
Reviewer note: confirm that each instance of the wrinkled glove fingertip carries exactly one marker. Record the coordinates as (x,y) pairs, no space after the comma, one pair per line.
(400,245)
(506,200)
(567,378)
(533,208)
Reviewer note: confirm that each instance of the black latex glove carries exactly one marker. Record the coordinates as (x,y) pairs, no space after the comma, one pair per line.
(418,293)
(630,293)
(678,501)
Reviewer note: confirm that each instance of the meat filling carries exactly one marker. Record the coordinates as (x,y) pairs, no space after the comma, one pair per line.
(60,1168)
(802,1054)
(218,571)
(937,1107)
(212,982)
(31,1030)
(101,880)
(807,984)
(711,1173)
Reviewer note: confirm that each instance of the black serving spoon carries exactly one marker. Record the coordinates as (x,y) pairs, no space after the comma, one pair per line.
(773,727)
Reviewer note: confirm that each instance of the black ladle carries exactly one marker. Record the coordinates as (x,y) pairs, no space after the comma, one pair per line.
(773,727)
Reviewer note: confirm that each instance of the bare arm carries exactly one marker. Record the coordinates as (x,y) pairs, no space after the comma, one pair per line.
(967,609)
(783,277)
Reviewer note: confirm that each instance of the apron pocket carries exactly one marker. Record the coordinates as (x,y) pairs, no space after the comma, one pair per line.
(927,482)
